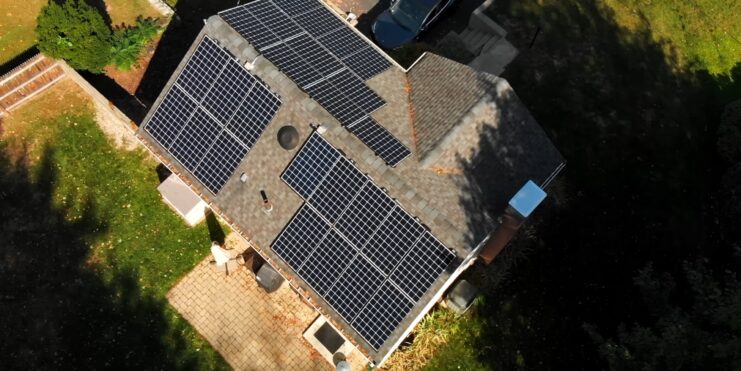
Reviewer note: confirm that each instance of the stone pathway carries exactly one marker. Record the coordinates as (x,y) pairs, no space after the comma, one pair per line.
(251,329)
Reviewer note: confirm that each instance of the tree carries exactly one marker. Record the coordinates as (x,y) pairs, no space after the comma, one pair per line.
(695,329)
(76,32)
(729,133)
(129,42)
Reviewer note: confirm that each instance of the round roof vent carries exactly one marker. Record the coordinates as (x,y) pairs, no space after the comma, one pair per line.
(288,137)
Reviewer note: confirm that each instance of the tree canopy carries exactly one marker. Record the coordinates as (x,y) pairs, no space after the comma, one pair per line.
(76,32)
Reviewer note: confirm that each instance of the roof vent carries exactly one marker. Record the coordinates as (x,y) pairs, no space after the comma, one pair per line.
(288,137)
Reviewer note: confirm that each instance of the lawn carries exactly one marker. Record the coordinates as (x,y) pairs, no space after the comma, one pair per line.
(105,247)
(18,21)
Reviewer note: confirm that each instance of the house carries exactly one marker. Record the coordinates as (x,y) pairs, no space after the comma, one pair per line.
(369,187)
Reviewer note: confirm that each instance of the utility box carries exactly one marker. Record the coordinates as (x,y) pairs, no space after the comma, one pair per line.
(461,297)
(183,200)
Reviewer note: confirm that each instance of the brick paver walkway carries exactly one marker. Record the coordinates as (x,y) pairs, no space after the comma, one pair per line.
(251,329)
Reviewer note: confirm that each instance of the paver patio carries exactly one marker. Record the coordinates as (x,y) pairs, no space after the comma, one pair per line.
(251,329)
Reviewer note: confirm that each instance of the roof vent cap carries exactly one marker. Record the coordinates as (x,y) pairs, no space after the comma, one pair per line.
(288,137)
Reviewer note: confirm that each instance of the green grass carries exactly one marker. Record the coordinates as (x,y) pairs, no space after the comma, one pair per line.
(17,24)
(138,247)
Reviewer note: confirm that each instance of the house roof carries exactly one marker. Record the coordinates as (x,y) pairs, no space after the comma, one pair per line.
(439,200)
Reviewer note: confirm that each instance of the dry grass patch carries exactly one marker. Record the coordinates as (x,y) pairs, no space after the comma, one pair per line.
(17,24)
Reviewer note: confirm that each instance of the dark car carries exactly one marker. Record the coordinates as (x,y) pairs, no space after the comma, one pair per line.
(404,20)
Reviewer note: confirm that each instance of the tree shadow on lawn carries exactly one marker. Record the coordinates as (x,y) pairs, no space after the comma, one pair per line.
(639,136)
(56,312)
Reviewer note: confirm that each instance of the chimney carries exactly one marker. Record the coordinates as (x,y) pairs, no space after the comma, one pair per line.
(525,201)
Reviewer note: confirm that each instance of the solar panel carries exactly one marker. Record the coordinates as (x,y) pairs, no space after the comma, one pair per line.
(380,141)
(210,127)
(367,63)
(330,258)
(310,166)
(294,7)
(219,162)
(424,263)
(364,214)
(170,117)
(335,102)
(337,189)
(392,240)
(253,115)
(354,288)
(271,16)
(249,27)
(202,69)
(382,315)
(319,21)
(230,89)
(193,143)
(343,42)
(356,91)
(354,245)
(293,65)
(300,237)
(314,54)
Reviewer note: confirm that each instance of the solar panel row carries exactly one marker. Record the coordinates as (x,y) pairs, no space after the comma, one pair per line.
(212,115)
(354,245)
(380,141)
(325,58)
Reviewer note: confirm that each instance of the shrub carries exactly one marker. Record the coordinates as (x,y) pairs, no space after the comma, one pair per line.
(128,42)
(76,32)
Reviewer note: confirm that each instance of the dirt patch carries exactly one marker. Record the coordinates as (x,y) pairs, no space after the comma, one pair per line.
(130,80)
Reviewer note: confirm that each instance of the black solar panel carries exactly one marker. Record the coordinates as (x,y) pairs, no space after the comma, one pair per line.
(383,314)
(364,214)
(209,128)
(219,162)
(249,27)
(356,91)
(335,102)
(253,116)
(310,166)
(337,189)
(300,237)
(229,91)
(419,269)
(293,65)
(296,7)
(319,21)
(314,54)
(193,143)
(367,63)
(325,264)
(202,69)
(170,117)
(351,243)
(353,289)
(271,16)
(380,141)
(343,42)
(392,240)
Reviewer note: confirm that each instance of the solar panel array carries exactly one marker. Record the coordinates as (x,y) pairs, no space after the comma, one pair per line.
(212,115)
(354,245)
(322,55)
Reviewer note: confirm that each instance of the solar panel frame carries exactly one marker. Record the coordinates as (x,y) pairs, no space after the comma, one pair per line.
(219,162)
(365,214)
(338,189)
(383,313)
(242,21)
(201,70)
(329,259)
(367,63)
(319,22)
(350,293)
(231,88)
(380,141)
(254,115)
(309,167)
(295,67)
(300,237)
(343,42)
(428,255)
(270,15)
(335,102)
(356,91)
(314,54)
(192,144)
(392,240)
(294,7)
(170,117)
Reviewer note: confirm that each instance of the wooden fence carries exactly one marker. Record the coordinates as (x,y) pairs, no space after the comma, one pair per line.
(27,80)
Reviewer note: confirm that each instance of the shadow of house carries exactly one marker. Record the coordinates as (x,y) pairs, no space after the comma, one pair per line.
(57,312)
(638,133)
